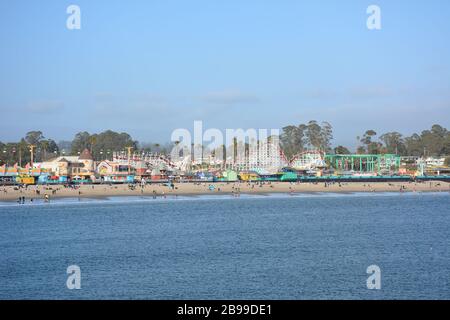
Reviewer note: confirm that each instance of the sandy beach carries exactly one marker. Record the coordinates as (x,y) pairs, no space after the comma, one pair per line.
(10,193)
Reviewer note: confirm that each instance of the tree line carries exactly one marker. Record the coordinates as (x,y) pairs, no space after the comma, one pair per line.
(19,152)
(101,145)
(318,136)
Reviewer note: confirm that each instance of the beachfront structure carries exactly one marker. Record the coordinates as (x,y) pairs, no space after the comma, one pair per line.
(431,162)
(249,176)
(308,160)
(159,172)
(57,166)
(87,162)
(109,168)
(57,170)
(78,167)
(112,171)
(432,166)
(229,175)
(414,165)
(142,166)
(146,161)
(363,163)
(16,174)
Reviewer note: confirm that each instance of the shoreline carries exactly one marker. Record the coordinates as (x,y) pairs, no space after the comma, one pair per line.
(10,193)
(206,197)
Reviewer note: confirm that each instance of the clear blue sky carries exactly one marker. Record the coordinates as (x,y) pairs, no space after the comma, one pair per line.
(148,67)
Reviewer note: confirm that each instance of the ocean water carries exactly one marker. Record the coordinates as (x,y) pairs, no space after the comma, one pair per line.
(218,247)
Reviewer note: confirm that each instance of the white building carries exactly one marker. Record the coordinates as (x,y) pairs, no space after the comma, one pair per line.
(434,162)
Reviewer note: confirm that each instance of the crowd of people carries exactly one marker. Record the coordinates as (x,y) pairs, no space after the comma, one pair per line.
(29,193)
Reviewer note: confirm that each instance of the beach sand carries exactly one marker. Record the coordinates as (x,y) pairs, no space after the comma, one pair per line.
(10,193)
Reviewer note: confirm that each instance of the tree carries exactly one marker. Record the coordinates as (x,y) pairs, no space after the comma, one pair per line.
(446,149)
(319,136)
(44,148)
(439,131)
(394,143)
(341,150)
(447,161)
(367,137)
(80,142)
(51,147)
(34,137)
(361,150)
(327,136)
(371,147)
(314,134)
(2,155)
(433,142)
(292,140)
(103,142)
(64,146)
(296,139)
(23,152)
(92,141)
(414,145)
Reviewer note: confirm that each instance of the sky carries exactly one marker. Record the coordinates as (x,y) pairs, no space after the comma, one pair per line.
(150,67)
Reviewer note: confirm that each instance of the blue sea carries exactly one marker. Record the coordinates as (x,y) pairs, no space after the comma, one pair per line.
(309,246)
